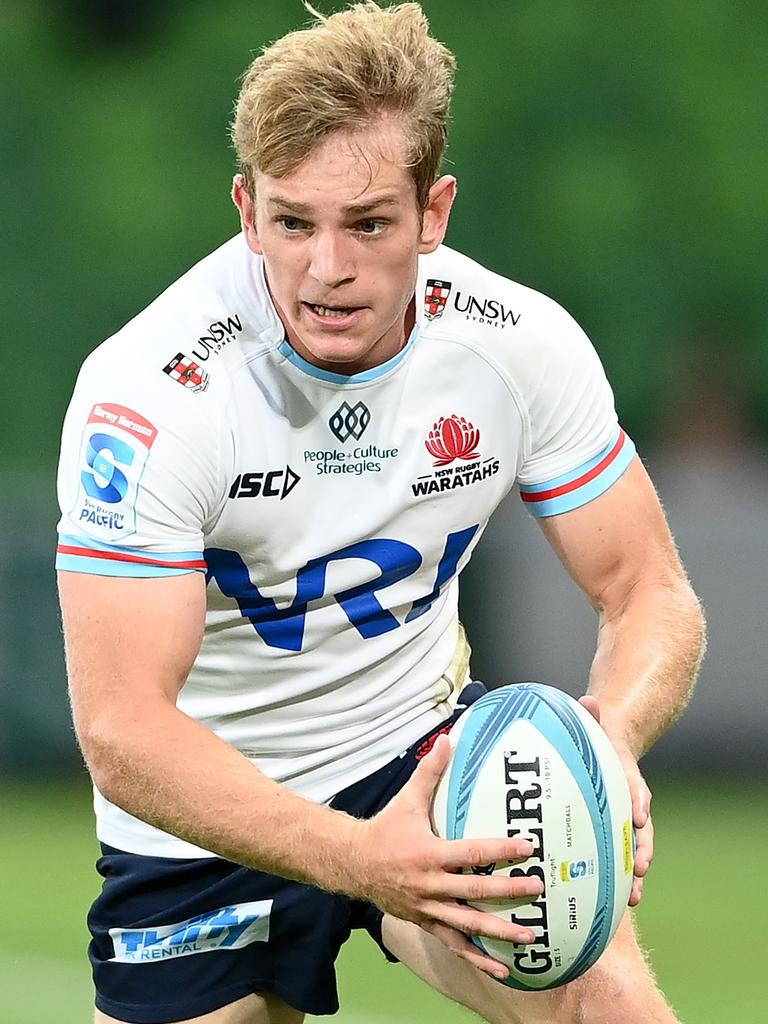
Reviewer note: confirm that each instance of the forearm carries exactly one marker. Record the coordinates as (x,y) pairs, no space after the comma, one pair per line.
(168,770)
(650,645)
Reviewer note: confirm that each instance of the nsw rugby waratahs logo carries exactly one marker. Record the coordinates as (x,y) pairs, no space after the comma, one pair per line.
(453,437)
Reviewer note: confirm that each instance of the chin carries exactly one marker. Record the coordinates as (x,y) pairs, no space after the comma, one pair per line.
(338,353)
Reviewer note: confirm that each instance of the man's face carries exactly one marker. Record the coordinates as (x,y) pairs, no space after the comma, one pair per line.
(340,237)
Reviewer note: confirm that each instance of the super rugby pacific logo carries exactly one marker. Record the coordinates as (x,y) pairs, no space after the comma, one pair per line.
(114,449)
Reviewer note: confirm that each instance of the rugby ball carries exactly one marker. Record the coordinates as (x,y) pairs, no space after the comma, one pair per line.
(528,760)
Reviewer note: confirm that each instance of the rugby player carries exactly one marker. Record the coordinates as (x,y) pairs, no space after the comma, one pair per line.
(270,480)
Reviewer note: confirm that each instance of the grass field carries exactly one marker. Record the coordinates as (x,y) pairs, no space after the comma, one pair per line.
(703,914)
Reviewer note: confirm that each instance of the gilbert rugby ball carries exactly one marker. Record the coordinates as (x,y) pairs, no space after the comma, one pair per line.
(530,761)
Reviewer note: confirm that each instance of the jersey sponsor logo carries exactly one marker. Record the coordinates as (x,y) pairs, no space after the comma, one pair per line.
(113,454)
(220,333)
(283,627)
(225,928)
(453,437)
(490,312)
(363,459)
(350,421)
(435,298)
(188,373)
(274,483)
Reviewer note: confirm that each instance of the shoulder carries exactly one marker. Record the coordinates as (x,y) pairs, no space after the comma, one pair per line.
(197,332)
(462,299)
(534,344)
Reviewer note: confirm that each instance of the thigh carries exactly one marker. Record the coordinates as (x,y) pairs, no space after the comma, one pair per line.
(619,989)
(184,940)
(254,1009)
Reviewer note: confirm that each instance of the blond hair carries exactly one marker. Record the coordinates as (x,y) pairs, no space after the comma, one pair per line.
(343,72)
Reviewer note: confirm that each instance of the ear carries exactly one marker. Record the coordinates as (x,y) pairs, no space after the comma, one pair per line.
(241,197)
(435,218)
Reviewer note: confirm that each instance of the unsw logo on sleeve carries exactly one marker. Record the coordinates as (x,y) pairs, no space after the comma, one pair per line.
(225,928)
(113,453)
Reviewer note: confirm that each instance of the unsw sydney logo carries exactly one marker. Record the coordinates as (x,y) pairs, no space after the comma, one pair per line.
(489,312)
(454,439)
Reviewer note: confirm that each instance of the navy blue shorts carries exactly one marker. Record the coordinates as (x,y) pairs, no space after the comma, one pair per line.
(260,932)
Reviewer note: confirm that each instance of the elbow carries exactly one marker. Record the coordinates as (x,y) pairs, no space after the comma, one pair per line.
(693,625)
(103,756)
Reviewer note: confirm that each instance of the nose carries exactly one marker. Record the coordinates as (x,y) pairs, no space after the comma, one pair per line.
(331,260)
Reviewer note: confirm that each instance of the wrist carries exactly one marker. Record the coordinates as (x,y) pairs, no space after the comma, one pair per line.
(339,861)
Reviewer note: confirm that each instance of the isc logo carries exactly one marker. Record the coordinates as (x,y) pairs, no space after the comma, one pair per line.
(276,483)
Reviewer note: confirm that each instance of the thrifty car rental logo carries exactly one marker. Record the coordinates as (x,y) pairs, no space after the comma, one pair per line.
(226,928)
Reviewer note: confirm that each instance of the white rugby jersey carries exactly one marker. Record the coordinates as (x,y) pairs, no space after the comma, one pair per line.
(331,514)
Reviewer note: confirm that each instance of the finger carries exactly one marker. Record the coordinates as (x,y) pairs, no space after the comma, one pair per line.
(644,850)
(477,853)
(459,944)
(641,800)
(637,892)
(469,921)
(592,706)
(429,770)
(638,789)
(489,888)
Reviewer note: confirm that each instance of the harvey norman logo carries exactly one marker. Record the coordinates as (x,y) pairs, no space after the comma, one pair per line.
(226,928)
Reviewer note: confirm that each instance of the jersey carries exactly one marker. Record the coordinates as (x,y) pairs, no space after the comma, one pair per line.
(330,514)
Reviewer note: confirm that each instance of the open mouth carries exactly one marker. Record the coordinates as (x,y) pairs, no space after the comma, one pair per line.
(331,312)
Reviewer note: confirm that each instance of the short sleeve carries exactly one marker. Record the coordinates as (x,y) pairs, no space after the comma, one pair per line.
(139,473)
(577,448)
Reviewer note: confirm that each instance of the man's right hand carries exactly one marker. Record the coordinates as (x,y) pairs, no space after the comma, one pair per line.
(409,872)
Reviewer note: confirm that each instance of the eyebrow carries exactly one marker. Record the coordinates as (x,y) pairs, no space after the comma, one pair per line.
(355,209)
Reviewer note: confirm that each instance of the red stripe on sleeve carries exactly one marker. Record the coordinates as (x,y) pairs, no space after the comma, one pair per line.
(580,480)
(113,556)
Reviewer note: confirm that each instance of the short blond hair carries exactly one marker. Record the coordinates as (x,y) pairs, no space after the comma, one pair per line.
(341,73)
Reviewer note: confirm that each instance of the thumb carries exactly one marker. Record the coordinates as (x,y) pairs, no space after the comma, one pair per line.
(592,706)
(424,780)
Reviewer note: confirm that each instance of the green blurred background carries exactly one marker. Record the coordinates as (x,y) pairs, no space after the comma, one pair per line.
(610,155)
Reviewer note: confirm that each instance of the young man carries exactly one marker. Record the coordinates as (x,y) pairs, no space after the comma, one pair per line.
(262,526)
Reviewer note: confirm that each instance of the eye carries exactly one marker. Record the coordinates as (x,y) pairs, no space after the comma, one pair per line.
(370,226)
(291,224)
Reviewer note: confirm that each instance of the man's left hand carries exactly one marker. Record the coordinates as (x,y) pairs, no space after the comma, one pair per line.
(641,806)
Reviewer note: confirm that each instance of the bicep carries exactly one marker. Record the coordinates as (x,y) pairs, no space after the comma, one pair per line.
(617,541)
(128,642)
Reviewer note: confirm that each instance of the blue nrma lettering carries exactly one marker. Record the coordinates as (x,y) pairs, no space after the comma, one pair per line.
(455,546)
(283,628)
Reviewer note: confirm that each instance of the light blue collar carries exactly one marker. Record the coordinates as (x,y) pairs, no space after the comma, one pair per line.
(375,373)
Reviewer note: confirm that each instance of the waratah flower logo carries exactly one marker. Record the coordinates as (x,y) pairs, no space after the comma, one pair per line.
(453,437)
